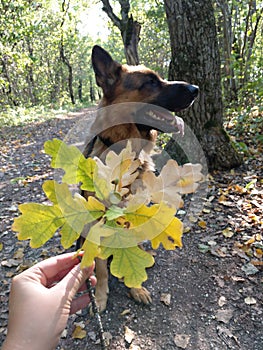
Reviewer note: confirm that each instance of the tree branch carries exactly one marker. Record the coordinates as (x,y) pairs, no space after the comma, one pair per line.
(108,9)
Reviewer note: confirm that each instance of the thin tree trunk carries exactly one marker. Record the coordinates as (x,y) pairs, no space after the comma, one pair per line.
(8,91)
(195,58)
(63,57)
(129,28)
(30,76)
(91,90)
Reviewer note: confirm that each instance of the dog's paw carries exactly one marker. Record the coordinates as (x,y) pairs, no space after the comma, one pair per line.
(101,305)
(142,295)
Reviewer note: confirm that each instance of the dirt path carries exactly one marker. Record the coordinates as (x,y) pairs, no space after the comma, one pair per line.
(207,295)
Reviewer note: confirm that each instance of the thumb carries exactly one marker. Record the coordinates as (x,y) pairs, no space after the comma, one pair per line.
(75,279)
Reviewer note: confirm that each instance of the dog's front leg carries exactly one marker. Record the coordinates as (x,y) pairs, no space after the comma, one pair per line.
(102,288)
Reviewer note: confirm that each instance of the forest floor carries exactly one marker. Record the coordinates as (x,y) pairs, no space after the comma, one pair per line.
(207,295)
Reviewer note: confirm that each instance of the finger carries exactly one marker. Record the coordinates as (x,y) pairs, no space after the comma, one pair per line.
(48,269)
(75,279)
(79,303)
(84,288)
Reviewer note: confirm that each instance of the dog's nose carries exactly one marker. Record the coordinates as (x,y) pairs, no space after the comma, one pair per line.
(194,90)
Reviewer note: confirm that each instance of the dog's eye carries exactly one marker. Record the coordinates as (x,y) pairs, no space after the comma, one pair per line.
(154,82)
(151,83)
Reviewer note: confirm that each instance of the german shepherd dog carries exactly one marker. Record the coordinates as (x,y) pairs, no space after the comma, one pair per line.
(144,103)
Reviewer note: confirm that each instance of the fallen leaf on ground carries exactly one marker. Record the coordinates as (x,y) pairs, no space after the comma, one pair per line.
(107,337)
(228,233)
(238,279)
(125,312)
(134,347)
(10,263)
(203,248)
(128,335)
(19,254)
(202,224)
(92,335)
(166,298)
(224,315)
(249,269)
(222,301)
(79,333)
(181,340)
(223,331)
(250,301)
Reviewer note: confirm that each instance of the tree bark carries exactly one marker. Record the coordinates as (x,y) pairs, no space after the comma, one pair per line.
(129,28)
(30,75)
(65,60)
(8,91)
(195,59)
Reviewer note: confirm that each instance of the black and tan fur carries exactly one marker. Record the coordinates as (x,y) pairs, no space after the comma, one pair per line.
(132,92)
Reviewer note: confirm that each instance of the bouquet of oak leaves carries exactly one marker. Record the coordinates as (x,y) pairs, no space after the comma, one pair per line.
(124,208)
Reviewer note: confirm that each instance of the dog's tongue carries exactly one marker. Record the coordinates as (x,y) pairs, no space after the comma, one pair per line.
(173,120)
(179,124)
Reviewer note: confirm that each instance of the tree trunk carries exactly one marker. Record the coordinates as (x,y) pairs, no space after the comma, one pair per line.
(130,29)
(65,60)
(91,90)
(70,72)
(195,59)
(7,90)
(30,75)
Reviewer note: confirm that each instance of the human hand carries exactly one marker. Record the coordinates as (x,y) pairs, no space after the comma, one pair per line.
(39,307)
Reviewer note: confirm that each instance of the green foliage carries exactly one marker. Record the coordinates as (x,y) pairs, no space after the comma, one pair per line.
(118,218)
(32,70)
(241,41)
(33,74)
(246,126)
(154,47)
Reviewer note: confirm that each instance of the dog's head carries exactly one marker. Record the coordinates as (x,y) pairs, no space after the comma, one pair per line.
(123,83)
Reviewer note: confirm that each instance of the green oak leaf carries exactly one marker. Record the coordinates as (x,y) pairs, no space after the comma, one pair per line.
(114,212)
(76,167)
(129,264)
(75,209)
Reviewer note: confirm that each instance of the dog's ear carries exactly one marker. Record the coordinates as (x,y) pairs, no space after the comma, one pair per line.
(107,71)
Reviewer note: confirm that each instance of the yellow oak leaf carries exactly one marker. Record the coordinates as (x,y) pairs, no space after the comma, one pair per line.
(100,232)
(202,224)
(148,222)
(91,251)
(95,207)
(171,237)
(79,333)
(38,223)
(68,235)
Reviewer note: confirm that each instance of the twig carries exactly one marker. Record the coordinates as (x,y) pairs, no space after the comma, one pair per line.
(95,311)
